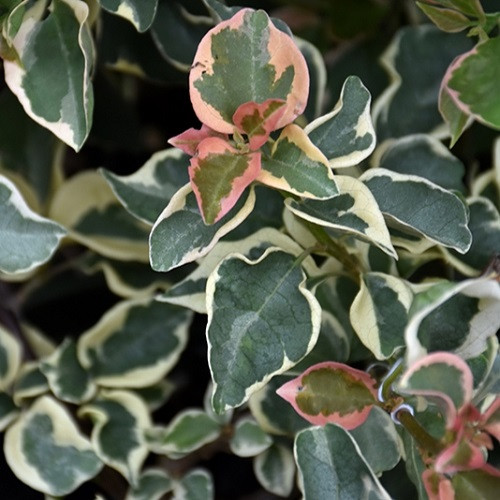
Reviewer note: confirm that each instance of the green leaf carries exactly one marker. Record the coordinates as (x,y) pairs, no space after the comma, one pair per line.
(10,358)
(417,205)
(195,485)
(87,206)
(274,468)
(472,79)
(152,484)
(155,396)
(353,211)
(425,156)
(378,441)
(66,377)
(8,411)
(119,419)
(379,313)
(189,430)
(147,192)
(346,135)
(469,7)
(180,236)
(409,104)
(261,321)
(475,484)
(413,463)
(135,343)
(28,240)
(452,115)
(265,62)
(249,439)
(140,13)
(45,449)
(57,48)
(297,166)
(447,20)
(177,33)
(331,466)
(30,382)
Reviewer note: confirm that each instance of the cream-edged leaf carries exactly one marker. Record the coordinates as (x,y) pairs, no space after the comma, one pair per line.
(140,13)
(10,358)
(248,439)
(274,468)
(152,484)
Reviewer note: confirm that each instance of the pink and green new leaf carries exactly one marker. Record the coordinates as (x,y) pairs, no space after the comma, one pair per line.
(242,60)
(461,455)
(257,121)
(188,141)
(331,392)
(219,174)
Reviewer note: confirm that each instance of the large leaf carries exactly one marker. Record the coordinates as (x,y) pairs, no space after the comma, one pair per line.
(140,13)
(346,135)
(379,313)
(10,358)
(135,343)
(45,449)
(353,211)
(147,192)
(180,236)
(261,321)
(419,206)
(263,60)
(28,240)
(331,466)
(57,48)
(409,104)
(296,165)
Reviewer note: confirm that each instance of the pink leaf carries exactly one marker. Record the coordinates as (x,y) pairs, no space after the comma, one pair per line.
(219,174)
(257,121)
(490,420)
(331,392)
(438,487)
(188,141)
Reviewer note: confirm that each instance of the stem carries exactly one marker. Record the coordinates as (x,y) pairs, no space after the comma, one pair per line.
(385,389)
(423,438)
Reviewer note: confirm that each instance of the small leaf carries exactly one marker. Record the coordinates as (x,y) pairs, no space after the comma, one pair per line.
(219,174)
(249,439)
(346,135)
(147,192)
(66,377)
(119,419)
(331,392)
(254,337)
(447,20)
(418,205)
(456,119)
(189,140)
(296,165)
(10,358)
(265,62)
(30,382)
(180,236)
(353,211)
(195,485)
(140,13)
(153,484)
(331,466)
(274,468)
(57,48)
(135,344)
(45,449)
(8,411)
(28,240)
(189,430)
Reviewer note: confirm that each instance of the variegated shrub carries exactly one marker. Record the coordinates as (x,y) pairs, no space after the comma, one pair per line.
(301,296)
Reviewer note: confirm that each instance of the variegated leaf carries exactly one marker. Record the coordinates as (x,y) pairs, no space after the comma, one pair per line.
(153,484)
(45,449)
(219,174)
(331,466)
(180,236)
(353,211)
(30,382)
(254,337)
(274,468)
(8,411)
(189,140)
(10,358)
(456,119)
(449,20)
(419,206)
(189,430)
(66,377)
(331,392)
(140,13)
(135,343)
(147,192)
(296,165)
(120,418)
(380,312)
(156,395)
(248,439)
(196,484)
(56,48)
(28,240)
(346,135)
(88,208)
(265,62)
